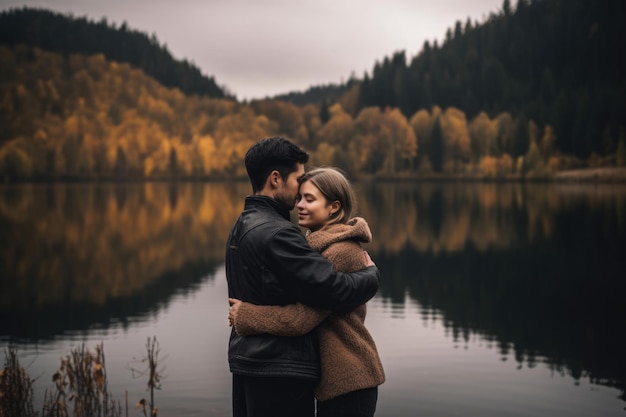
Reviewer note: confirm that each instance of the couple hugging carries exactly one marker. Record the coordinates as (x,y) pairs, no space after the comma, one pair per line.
(298,301)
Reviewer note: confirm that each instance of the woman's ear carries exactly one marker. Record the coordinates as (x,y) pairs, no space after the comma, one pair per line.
(335,206)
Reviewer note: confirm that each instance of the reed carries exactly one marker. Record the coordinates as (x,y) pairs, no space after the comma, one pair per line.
(16,387)
(81,387)
(154,374)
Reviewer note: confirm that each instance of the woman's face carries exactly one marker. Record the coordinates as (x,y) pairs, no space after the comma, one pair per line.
(313,209)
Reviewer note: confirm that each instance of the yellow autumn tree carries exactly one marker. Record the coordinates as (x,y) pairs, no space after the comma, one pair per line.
(205,154)
(158,110)
(312,123)
(402,142)
(422,126)
(338,131)
(234,135)
(506,132)
(422,123)
(161,158)
(324,155)
(184,158)
(288,118)
(456,139)
(371,138)
(483,134)
(488,166)
(505,165)
(349,100)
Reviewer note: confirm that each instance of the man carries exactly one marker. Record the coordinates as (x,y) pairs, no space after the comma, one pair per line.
(269,262)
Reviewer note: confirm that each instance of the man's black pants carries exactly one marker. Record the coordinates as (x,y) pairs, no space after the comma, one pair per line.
(272,397)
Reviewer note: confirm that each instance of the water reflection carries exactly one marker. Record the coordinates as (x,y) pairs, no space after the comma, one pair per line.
(435,218)
(536,269)
(78,255)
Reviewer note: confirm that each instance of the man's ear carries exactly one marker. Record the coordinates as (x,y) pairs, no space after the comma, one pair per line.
(274,179)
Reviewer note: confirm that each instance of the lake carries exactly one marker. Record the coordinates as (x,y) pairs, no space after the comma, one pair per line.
(496,299)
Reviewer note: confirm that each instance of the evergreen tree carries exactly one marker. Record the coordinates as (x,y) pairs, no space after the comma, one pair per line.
(324,113)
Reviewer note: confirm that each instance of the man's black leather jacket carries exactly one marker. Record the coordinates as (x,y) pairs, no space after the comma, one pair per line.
(269,262)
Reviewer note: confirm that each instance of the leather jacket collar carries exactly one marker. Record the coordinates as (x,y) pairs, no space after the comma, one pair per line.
(255,200)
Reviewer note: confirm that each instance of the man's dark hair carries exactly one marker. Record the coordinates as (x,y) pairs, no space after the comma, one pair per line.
(269,154)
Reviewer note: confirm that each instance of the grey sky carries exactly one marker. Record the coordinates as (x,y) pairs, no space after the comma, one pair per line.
(258,48)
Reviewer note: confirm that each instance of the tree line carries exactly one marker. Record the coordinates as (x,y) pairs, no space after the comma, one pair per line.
(84,117)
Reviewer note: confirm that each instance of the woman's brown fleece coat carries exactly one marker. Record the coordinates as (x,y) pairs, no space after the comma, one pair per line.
(348,355)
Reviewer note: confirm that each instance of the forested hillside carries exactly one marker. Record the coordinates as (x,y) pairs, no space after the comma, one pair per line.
(69,35)
(454,110)
(557,62)
(80,116)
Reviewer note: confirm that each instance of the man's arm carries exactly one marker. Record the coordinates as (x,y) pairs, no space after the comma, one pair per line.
(312,279)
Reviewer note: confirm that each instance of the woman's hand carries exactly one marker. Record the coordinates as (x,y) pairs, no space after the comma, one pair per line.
(368,259)
(232,310)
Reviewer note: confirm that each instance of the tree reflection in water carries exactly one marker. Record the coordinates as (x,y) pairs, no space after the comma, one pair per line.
(536,267)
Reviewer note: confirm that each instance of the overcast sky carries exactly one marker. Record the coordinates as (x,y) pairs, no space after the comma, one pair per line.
(258,48)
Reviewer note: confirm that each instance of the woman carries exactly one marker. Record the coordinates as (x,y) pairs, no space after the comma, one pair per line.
(351,369)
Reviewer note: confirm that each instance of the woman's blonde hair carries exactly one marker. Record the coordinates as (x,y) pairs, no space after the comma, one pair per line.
(334,186)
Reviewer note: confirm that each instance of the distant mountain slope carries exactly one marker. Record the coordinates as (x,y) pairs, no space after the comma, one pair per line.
(68,34)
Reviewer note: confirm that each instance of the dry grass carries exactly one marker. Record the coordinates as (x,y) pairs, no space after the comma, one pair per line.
(81,387)
(16,387)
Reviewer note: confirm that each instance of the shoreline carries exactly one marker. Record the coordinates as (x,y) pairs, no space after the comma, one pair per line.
(582,175)
(606,174)
(593,175)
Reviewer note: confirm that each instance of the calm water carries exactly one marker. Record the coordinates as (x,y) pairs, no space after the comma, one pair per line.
(495,299)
